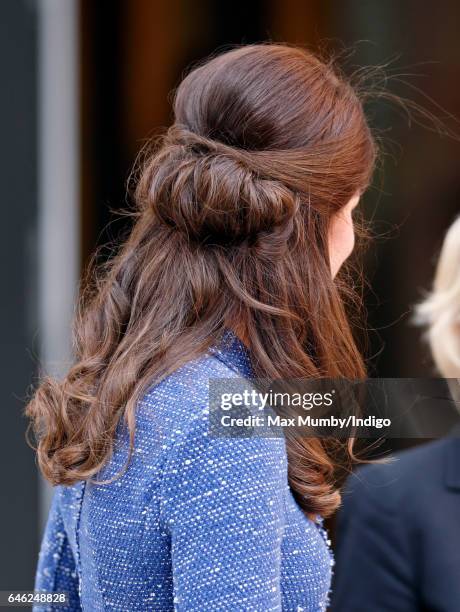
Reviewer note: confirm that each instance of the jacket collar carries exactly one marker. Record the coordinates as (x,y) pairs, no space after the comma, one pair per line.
(234,354)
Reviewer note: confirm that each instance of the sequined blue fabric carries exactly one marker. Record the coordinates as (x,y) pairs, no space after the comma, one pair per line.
(196,523)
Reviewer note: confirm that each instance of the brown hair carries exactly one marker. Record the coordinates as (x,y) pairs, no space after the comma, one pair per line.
(233,210)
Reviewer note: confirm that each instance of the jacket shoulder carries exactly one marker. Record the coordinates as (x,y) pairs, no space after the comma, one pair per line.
(405,479)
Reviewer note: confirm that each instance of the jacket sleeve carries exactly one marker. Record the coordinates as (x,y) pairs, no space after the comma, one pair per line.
(56,571)
(374,568)
(223,504)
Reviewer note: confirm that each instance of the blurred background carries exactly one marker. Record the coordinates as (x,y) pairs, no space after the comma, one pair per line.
(85,82)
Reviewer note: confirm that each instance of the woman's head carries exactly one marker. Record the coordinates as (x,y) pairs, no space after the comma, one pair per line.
(243,211)
(440,311)
(268,130)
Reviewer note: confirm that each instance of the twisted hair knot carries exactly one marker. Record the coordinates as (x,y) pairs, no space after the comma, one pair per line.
(214,194)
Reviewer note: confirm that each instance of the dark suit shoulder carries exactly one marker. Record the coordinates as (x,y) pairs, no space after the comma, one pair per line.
(409,476)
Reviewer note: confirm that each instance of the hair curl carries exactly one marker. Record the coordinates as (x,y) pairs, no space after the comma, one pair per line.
(231,231)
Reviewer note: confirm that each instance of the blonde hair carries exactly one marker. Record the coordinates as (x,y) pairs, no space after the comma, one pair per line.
(440,311)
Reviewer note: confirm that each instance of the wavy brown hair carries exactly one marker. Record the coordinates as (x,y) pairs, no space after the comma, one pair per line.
(233,206)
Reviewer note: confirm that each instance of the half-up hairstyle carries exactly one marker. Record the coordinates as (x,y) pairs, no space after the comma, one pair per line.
(233,207)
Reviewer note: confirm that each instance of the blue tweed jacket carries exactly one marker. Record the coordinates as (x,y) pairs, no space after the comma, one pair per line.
(196,523)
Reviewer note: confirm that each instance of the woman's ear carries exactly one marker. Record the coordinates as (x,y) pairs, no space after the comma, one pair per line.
(342,235)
